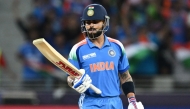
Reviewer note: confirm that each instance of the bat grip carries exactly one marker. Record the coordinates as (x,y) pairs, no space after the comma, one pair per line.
(98,91)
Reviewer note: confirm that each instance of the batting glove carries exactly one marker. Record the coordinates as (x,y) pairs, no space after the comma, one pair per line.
(83,83)
(133,104)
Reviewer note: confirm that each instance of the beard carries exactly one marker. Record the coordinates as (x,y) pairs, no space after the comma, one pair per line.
(94,35)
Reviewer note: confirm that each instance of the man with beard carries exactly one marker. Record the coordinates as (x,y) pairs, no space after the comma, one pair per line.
(104,63)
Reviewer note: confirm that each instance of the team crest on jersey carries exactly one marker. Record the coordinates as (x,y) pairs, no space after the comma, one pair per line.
(111,52)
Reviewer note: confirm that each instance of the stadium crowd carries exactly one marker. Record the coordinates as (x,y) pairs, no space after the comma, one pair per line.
(155,33)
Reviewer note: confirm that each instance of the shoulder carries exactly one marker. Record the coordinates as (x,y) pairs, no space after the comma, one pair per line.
(79,44)
(83,42)
(117,42)
(75,48)
(112,40)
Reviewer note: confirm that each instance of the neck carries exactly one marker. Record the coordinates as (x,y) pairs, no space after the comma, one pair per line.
(99,42)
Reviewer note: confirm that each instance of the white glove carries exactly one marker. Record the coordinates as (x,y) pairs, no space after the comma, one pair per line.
(134,105)
(83,83)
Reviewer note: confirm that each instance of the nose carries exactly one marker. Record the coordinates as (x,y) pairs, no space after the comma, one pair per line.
(91,24)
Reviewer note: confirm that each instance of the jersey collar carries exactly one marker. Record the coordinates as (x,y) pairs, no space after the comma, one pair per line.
(106,42)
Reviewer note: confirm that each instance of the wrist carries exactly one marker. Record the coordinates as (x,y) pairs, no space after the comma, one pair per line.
(131,94)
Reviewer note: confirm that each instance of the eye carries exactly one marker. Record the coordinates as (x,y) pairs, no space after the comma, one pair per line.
(94,22)
(87,23)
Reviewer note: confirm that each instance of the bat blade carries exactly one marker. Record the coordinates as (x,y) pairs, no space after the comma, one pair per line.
(57,59)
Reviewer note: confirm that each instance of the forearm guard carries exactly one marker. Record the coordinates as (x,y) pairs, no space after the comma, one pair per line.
(128,87)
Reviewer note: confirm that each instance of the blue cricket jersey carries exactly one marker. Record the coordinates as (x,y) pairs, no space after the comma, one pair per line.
(102,64)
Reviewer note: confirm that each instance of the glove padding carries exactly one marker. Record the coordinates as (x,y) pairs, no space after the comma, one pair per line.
(83,83)
(134,105)
(138,106)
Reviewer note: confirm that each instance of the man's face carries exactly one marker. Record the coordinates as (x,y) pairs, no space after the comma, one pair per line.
(94,28)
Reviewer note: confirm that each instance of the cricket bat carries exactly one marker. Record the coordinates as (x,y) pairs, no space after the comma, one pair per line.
(57,59)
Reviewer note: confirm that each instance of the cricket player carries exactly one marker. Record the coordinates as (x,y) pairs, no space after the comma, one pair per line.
(104,61)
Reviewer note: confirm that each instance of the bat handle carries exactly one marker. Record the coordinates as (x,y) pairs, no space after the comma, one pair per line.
(98,91)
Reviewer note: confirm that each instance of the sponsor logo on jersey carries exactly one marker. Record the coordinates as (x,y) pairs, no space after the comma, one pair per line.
(102,66)
(111,52)
(91,55)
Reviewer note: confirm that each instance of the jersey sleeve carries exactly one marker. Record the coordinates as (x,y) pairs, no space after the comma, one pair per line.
(73,59)
(123,61)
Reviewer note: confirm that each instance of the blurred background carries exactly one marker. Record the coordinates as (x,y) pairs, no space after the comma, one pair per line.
(155,33)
